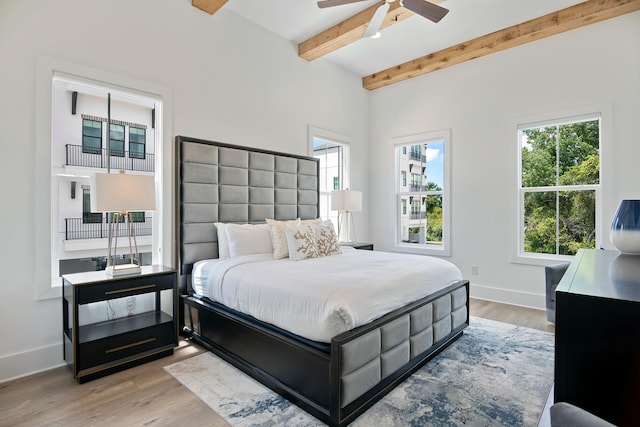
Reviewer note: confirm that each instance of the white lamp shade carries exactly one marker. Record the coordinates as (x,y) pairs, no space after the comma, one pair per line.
(122,192)
(346,200)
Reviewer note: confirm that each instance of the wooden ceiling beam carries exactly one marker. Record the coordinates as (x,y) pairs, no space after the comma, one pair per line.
(209,6)
(573,17)
(350,30)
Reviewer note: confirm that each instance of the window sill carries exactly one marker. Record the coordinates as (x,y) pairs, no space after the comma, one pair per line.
(422,249)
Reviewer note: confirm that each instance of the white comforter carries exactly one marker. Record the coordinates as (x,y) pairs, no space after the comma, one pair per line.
(323,297)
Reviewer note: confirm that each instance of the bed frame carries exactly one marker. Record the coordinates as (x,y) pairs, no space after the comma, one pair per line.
(219,182)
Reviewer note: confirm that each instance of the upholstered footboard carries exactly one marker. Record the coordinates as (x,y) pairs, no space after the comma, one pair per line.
(362,365)
(368,362)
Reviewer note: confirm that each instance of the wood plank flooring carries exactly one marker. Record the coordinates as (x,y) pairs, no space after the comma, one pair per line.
(146,395)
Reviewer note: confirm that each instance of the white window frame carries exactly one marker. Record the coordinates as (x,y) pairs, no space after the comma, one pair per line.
(443,249)
(345,142)
(602,112)
(47,284)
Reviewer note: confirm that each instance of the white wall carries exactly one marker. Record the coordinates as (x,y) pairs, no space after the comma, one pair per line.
(481,101)
(223,78)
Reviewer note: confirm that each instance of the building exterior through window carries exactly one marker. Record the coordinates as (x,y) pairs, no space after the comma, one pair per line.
(79,150)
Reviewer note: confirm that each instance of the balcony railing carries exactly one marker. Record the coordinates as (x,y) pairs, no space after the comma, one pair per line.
(97,158)
(418,157)
(80,228)
(418,187)
(418,215)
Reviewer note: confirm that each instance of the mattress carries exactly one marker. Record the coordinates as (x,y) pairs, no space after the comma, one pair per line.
(322,297)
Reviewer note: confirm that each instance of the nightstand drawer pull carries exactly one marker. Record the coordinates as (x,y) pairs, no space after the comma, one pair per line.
(112,350)
(137,288)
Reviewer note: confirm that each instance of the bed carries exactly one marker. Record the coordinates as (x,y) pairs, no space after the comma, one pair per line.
(334,370)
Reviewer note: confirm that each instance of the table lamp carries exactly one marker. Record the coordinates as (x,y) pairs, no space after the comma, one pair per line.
(346,202)
(122,194)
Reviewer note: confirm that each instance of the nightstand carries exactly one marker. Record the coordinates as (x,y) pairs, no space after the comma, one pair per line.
(113,323)
(358,245)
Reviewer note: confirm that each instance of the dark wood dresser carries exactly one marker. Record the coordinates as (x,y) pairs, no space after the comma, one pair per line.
(597,351)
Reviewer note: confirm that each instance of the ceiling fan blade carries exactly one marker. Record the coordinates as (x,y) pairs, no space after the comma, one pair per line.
(331,3)
(376,20)
(431,11)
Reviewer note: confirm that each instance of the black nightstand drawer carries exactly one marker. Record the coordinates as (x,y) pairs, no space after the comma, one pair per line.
(120,346)
(119,288)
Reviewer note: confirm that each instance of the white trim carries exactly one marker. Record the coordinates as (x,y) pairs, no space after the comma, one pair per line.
(522,299)
(315,131)
(46,286)
(18,365)
(425,249)
(572,115)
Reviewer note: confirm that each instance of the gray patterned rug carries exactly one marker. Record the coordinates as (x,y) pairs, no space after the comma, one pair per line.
(494,375)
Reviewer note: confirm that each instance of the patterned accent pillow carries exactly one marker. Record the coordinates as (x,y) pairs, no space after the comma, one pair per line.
(301,240)
(327,239)
(278,236)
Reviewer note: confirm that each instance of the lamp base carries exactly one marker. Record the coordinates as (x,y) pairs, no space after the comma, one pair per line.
(123,270)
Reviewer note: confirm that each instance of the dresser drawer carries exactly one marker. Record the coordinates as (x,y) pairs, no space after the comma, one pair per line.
(124,287)
(117,347)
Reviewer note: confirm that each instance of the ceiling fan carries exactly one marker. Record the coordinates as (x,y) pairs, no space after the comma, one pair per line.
(431,11)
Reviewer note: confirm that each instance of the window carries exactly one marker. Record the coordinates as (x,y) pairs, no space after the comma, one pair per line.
(425,228)
(89,217)
(136,143)
(333,151)
(416,182)
(72,236)
(137,216)
(559,185)
(91,136)
(116,140)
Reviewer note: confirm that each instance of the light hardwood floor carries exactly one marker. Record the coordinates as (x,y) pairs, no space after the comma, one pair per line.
(146,395)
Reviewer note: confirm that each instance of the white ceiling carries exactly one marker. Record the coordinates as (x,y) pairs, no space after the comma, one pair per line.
(298,20)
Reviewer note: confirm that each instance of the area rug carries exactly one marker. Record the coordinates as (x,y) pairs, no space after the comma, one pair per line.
(496,374)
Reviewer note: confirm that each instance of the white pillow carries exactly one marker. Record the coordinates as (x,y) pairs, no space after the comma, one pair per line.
(223,242)
(248,239)
(301,240)
(326,239)
(278,236)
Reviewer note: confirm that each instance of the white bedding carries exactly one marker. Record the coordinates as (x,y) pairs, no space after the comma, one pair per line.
(322,297)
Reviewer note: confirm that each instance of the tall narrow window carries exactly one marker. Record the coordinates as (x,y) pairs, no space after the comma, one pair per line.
(91,136)
(333,152)
(559,185)
(425,227)
(116,140)
(79,237)
(136,143)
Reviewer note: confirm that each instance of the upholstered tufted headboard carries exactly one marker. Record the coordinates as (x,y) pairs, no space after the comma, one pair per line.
(219,182)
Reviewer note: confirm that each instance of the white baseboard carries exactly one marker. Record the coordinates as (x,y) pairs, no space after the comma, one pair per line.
(505,296)
(18,365)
